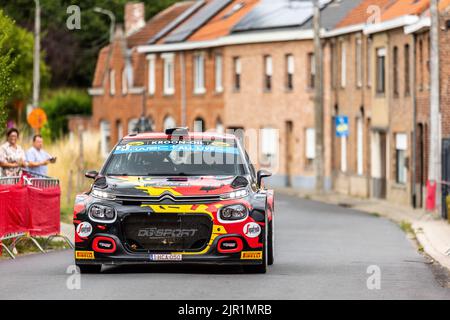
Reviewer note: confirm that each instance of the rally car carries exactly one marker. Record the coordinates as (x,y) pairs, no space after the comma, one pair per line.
(176,197)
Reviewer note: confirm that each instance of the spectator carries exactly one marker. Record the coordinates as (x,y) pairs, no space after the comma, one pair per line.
(12,156)
(37,158)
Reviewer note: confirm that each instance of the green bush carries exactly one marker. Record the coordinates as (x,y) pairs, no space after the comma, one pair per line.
(62,103)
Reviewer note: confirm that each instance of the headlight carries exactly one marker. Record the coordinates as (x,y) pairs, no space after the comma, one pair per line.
(235,195)
(102,194)
(233,213)
(102,214)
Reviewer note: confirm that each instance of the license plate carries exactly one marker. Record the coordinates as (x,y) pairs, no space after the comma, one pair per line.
(166,257)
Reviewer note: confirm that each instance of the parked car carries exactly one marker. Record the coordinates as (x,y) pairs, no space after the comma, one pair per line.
(176,197)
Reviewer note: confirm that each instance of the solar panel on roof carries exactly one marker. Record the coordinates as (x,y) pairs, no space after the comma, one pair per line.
(277,14)
(199,19)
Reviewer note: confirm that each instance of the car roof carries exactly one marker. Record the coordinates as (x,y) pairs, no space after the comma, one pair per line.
(191,135)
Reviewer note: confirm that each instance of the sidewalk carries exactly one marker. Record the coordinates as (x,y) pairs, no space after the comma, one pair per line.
(432,233)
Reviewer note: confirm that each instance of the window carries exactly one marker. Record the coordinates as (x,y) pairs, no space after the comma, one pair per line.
(381,71)
(169,72)
(395,63)
(360,145)
(359,72)
(311,71)
(369,61)
(268,72)
(344,154)
(407,71)
(124,82)
(112,82)
(421,65)
(219,126)
(133,125)
(219,73)
(199,125)
(169,122)
(333,68)
(105,134)
(151,74)
(401,141)
(290,69)
(269,146)
(237,73)
(310,147)
(199,74)
(119,130)
(343,64)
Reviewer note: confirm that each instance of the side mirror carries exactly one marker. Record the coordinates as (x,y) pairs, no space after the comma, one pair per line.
(91,174)
(263,174)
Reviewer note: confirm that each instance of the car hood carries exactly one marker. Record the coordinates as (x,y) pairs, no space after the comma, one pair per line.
(174,186)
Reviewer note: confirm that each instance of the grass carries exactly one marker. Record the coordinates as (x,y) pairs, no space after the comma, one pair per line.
(407,227)
(70,168)
(375,214)
(27,247)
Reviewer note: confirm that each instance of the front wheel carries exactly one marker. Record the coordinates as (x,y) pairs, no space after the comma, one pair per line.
(89,268)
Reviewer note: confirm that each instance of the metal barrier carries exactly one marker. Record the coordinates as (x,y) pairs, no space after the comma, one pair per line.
(39,182)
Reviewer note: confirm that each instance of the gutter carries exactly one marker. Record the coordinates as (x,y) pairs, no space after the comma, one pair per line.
(423,23)
(234,39)
(391,24)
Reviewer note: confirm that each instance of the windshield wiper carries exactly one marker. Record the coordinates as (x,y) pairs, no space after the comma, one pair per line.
(117,174)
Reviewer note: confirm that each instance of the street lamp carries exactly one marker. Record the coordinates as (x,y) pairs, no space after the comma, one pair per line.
(112,17)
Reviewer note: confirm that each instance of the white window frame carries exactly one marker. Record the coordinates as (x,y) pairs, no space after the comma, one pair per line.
(151,74)
(401,144)
(219,73)
(310,148)
(169,73)
(237,65)
(360,145)
(199,73)
(268,72)
(290,70)
(359,64)
(344,154)
(169,122)
(112,82)
(343,64)
(124,82)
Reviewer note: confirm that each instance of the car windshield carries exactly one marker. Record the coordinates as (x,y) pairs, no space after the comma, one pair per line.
(175,158)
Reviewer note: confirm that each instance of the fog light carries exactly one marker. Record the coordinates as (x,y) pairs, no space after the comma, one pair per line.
(230,245)
(104,245)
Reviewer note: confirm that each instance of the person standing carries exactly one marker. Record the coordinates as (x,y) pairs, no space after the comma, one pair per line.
(37,158)
(12,156)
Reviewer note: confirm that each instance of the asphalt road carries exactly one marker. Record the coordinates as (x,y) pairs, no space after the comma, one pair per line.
(322,252)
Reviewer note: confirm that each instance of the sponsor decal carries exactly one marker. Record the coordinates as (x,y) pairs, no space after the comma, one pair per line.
(172,147)
(136,143)
(84,229)
(166,257)
(84,255)
(251,255)
(252,230)
(156,233)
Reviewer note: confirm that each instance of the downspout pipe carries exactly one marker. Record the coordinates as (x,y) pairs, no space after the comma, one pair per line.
(414,144)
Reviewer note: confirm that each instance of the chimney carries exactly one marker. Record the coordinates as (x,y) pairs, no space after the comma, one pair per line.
(134,17)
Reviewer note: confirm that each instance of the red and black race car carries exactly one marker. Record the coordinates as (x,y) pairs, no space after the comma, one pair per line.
(176,197)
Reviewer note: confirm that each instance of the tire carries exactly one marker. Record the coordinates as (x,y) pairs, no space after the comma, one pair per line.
(89,268)
(270,244)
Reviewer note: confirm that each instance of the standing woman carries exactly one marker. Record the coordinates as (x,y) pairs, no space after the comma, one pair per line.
(12,156)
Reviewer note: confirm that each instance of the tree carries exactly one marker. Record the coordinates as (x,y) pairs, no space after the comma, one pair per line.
(6,66)
(72,55)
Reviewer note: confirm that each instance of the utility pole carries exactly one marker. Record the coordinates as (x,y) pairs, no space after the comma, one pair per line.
(318,101)
(435,156)
(37,55)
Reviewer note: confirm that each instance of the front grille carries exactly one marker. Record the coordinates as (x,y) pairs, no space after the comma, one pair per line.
(165,199)
(166,232)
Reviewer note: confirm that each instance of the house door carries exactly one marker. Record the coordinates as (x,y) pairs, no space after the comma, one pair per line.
(421,167)
(445,175)
(289,155)
(383,158)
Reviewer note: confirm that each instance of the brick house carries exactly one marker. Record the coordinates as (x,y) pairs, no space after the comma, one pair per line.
(234,65)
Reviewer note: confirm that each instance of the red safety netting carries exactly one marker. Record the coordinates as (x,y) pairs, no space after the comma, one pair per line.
(25,208)
(44,209)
